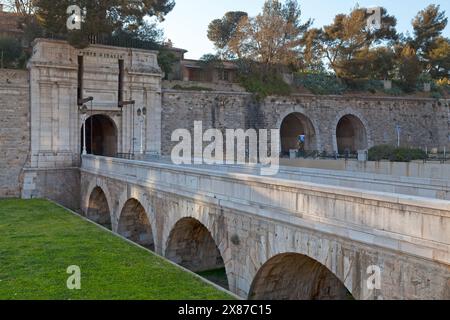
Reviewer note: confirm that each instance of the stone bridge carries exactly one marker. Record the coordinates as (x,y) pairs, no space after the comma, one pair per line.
(276,238)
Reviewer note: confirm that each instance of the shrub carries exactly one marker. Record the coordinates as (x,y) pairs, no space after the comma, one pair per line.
(166,61)
(382,152)
(394,91)
(406,155)
(10,52)
(320,83)
(191,88)
(436,95)
(387,152)
(372,86)
(265,85)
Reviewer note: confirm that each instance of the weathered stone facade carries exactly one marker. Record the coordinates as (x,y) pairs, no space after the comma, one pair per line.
(14,130)
(58,184)
(423,122)
(56,121)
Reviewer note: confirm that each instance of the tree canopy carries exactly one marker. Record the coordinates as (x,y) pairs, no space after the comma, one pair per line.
(101,17)
(222,31)
(350,47)
(431,47)
(272,37)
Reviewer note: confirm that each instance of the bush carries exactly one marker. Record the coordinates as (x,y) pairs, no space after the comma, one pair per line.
(320,83)
(436,95)
(265,85)
(372,86)
(166,60)
(387,152)
(191,88)
(10,52)
(382,152)
(407,155)
(394,91)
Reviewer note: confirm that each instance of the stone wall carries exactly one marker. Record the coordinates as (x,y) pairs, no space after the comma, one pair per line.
(14,130)
(423,122)
(215,109)
(214,86)
(61,185)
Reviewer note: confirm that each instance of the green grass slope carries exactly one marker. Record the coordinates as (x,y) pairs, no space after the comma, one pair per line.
(39,241)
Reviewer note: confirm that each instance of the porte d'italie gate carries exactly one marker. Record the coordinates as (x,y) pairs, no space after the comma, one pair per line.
(91,129)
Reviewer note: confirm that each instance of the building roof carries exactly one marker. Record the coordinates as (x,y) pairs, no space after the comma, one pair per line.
(176,49)
(195,64)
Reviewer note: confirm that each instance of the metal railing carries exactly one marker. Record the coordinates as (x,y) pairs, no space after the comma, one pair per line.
(121,41)
(127,156)
(320,155)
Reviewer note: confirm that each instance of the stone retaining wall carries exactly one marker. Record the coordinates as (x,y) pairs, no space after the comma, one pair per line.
(14,130)
(423,122)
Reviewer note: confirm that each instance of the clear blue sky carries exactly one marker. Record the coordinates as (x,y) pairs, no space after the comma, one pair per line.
(187,24)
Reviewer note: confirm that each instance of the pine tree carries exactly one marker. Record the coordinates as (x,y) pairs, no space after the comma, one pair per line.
(102,17)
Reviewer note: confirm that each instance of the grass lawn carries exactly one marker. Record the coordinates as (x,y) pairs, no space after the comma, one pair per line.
(39,241)
(218,276)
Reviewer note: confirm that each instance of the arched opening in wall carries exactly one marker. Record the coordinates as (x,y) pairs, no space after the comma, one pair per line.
(101,136)
(293,276)
(192,246)
(98,210)
(294,126)
(135,225)
(351,135)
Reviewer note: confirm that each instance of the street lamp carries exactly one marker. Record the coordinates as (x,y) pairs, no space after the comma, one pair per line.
(84,116)
(398,129)
(141,114)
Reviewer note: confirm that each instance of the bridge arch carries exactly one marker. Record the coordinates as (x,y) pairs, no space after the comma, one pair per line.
(294,122)
(198,241)
(97,205)
(351,132)
(98,209)
(293,276)
(134,224)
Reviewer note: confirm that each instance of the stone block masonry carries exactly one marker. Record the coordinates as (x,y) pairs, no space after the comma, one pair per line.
(423,122)
(14,130)
(61,185)
(216,110)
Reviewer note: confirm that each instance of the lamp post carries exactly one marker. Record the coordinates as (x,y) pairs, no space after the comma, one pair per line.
(398,129)
(141,114)
(84,117)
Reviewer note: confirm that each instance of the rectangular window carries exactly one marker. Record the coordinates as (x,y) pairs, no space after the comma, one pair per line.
(224,75)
